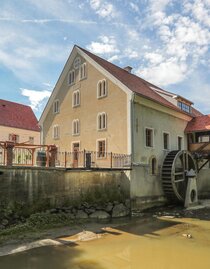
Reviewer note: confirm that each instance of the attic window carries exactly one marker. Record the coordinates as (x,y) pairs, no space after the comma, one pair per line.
(101,88)
(184,107)
(71,77)
(83,71)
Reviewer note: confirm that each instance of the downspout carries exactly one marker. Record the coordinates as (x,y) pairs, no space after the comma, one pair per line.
(132,115)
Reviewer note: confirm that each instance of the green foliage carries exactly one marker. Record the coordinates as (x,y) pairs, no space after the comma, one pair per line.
(36,223)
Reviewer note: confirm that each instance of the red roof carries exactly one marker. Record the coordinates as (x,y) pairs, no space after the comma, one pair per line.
(17,116)
(201,123)
(135,83)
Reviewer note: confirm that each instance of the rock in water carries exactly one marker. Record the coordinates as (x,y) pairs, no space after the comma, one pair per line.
(120,211)
(100,215)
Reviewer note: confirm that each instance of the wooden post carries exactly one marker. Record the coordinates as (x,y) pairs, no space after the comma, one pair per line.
(65,158)
(51,158)
(32,152)
(84,164)
(48,157)
(111,160)
(9,156)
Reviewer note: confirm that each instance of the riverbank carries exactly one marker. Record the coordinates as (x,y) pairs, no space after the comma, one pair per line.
(156,240)
(43,227)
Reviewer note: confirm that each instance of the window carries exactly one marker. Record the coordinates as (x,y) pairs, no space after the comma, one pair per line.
(102,121)
(154,163)
(77,62)
(149,137)
(184,107)
(82,71)
(31,140)
(14,138)
(56,107)
(71,77)
(76,98)
(179,143)
(75,127)
(56,132)
(165,141)
(102,88)
(101,148)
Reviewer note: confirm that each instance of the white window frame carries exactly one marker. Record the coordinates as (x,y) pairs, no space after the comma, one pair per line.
(56,132)
(70,81)
(76,127)
(76,98)
(182,145)
(97,148)
(102,121)
(102,88)
(169,140)
(83,71)
(153,137)
(56,106)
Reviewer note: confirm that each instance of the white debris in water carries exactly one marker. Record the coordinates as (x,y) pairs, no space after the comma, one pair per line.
(87,235)
(187,235)
(28,246)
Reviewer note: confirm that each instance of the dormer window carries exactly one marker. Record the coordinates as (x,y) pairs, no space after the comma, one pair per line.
(71,77)
(83,71)
(184,107)
(102,88)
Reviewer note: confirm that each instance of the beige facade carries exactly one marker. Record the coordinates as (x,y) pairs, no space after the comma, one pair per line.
(113,104)
(145,127)
(23,135)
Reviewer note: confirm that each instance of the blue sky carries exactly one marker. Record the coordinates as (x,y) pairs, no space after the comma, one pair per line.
(165,41)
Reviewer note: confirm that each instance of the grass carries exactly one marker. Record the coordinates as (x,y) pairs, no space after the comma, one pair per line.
(36,226)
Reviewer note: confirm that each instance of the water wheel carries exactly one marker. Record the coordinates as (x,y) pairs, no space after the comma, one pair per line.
(175,169)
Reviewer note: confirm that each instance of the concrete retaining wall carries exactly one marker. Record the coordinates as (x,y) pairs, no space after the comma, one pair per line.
(36,189)
(204,183)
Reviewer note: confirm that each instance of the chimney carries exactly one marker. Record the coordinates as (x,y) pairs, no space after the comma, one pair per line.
(128,69)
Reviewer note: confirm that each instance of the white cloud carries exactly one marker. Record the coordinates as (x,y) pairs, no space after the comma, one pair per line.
(134,7)
(200,10)
(165,73)
(24,55)
(182,41)
(104,9)
(131,53)
(36,98)
(154,58)
(106,46)
(114,58)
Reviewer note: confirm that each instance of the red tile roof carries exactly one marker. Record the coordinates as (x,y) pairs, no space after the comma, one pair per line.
(17,116)
(201,123)
(135,83)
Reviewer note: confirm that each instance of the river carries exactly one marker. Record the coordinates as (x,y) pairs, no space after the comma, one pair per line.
(149,244)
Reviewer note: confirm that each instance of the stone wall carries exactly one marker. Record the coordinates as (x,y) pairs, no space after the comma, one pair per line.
(32,190)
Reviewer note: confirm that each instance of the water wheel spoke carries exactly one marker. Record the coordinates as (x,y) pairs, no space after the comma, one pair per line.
(178,173)
(179,180)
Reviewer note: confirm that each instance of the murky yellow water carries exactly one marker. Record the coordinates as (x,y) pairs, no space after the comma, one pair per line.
(159,244)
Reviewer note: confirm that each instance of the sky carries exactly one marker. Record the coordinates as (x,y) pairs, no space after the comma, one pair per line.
(165,41)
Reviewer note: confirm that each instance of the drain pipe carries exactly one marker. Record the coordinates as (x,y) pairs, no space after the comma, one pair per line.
(132,115)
